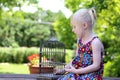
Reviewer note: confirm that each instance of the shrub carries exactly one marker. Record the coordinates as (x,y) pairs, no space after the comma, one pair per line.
(112,68)
(19,55)
(16,55)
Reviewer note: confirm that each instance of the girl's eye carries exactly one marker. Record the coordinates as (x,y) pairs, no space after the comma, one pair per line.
(74,26)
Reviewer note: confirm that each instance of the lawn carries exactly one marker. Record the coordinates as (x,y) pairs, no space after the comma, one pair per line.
(9,68)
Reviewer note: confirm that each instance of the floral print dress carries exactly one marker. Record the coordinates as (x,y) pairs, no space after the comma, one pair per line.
(84,59)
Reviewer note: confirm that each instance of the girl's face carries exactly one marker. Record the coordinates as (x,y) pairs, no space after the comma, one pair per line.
(77,27)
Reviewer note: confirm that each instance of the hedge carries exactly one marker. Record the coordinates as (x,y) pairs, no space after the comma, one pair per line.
(19,55)
(16,55)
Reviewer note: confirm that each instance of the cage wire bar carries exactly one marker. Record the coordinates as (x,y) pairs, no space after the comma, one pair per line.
(52,56)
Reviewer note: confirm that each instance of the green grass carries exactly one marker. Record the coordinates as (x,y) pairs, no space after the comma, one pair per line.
(9,68)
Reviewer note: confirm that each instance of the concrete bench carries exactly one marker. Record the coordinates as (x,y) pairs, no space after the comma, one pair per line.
(38,77)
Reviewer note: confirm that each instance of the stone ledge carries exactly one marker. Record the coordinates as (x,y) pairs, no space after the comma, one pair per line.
(37,77)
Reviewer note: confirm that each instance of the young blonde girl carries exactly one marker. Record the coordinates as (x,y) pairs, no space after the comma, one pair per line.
(88,62)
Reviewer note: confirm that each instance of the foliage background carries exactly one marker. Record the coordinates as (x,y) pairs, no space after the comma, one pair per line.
(18,28)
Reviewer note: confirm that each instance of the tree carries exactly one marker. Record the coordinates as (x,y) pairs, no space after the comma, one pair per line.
(14,3)
(64,30)
(24,29)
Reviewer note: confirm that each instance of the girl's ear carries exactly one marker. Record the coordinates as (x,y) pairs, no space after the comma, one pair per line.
(85,25)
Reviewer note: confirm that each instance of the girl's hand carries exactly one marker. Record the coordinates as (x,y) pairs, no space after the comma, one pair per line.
(71,69)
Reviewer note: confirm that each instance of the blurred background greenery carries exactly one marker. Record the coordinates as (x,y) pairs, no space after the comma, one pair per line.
(25,29)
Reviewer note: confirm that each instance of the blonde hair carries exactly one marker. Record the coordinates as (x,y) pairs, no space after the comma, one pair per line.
(86,15)
(92,14)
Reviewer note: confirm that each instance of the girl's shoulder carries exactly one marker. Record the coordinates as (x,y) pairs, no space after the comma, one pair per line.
(97,43)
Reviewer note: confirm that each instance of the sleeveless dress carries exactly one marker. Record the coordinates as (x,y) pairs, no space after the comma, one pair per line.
(84,59)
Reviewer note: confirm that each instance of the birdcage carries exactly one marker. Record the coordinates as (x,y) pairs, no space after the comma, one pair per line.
(52,57)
